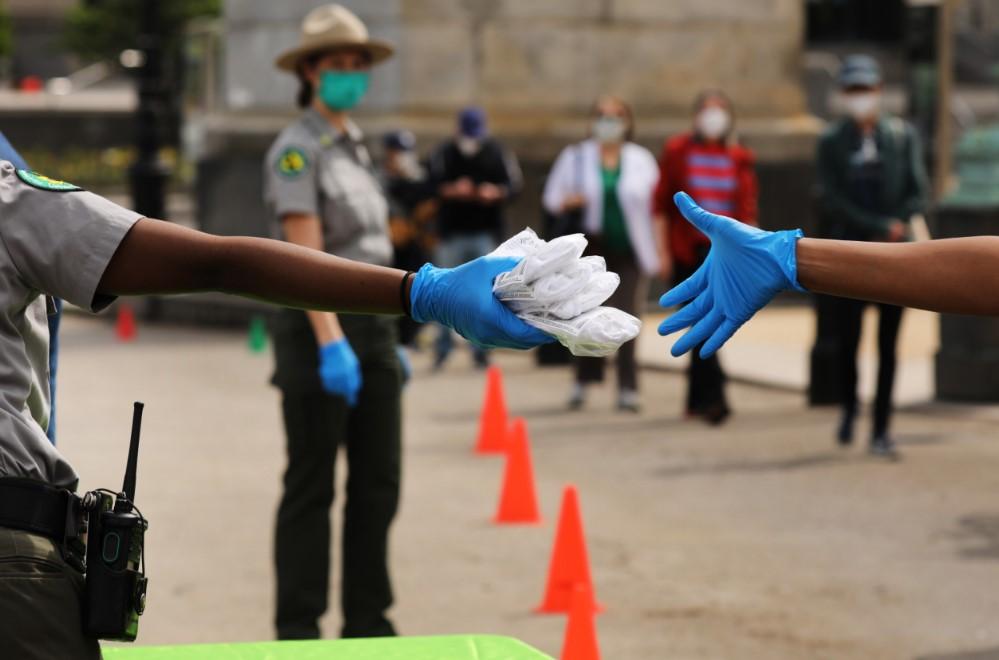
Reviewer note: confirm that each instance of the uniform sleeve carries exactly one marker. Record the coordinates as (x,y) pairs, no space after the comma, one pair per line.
(61,242)
(292,181)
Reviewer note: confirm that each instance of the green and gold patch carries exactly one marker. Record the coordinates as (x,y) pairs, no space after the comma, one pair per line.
(292,162)
(42,182)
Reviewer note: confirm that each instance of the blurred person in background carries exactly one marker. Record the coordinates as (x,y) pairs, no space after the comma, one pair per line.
(872,182)
(412,207)
(611,179)
(339,374)
(709,164)
(9,153)
(475,176)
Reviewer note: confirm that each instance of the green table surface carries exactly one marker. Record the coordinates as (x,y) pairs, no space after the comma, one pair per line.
(463,647)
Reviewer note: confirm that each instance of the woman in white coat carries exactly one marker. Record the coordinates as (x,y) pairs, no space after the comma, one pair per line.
(609,181)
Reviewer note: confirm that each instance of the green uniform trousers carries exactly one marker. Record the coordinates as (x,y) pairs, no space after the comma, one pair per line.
(40,598)
(317,425)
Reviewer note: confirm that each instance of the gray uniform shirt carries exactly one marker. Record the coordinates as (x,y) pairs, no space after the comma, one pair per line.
(57,240)
(316,170)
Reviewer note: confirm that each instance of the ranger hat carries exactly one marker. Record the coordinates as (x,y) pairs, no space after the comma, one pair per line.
(330,27)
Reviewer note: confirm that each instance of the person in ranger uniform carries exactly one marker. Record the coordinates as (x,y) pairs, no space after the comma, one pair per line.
(340,376)
(58,240)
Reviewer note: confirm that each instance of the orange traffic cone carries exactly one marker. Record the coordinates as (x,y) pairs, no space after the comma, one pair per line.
(570,565)
(493,424)
(581,632)
(124,326)
(518,503)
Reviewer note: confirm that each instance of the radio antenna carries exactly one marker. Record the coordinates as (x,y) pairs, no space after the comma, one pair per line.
(128,488)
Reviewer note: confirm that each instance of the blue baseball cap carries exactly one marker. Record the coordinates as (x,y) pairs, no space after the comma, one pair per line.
(472,122)
(860,71)
(400,140)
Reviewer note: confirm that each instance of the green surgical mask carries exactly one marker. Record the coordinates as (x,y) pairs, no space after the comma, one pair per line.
(342,90)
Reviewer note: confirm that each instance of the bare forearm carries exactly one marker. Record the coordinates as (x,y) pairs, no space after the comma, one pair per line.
(160,258)
(959,275)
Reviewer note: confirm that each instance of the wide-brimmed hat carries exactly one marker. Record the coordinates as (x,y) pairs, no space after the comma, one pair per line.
(330,27)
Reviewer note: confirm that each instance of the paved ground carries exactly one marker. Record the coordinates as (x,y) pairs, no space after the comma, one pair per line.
(756,540)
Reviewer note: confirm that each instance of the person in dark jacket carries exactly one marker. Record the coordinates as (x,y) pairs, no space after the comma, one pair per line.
(475,176)
(872,183)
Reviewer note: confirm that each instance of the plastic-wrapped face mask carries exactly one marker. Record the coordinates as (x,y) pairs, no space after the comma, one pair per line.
(599,288)
(597,333)
(524,243)
(549,258)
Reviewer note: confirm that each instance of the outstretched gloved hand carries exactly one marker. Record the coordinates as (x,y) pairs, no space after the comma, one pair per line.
(745,269)
(462,298)
(339,370)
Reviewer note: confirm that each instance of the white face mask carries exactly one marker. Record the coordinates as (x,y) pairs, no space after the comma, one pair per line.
(713,123)
(468,146)
(609,129)
(862,106)
(408,165)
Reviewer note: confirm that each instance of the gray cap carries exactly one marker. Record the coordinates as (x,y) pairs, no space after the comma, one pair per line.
(860,71)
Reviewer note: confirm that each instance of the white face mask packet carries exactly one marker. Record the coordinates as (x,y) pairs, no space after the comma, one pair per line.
(600,287)
(546,292)
(521,245)
(557,254)
(597,333)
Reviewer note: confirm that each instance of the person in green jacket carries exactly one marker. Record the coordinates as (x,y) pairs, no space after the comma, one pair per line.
(871,183)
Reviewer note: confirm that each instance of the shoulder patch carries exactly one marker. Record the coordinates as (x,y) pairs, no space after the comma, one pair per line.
(42,182)
(291,162)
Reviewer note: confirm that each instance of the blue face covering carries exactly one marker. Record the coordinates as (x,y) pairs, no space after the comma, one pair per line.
(342,90)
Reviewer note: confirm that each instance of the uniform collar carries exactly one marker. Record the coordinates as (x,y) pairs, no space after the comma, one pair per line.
(329,134)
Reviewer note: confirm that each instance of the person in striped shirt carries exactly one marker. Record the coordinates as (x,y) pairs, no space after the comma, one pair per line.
(708,163)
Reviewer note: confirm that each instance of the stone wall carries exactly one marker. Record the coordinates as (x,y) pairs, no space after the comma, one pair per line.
(536,66)
(541,58)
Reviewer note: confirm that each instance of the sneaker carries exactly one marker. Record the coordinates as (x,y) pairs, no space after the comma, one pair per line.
(628,401)
(882,445)
(577,398)
(844,435)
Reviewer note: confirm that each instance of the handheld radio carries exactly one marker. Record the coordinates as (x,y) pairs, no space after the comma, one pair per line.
(115,593)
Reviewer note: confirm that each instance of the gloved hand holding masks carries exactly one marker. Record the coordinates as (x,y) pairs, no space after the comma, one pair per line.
(339,370)
(462,298)
(745,269)
(556,289)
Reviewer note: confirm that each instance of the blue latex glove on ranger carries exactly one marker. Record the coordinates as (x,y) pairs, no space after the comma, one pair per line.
(745,269)
(339,370)
(462,298)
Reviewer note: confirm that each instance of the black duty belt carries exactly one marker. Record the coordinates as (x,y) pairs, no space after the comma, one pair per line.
(36,507)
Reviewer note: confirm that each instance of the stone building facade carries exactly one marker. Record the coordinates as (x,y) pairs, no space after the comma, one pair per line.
(536,67)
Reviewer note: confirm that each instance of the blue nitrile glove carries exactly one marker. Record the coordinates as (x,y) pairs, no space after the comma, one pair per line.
(339,370)
(462,298)
(745,269)
(404,364)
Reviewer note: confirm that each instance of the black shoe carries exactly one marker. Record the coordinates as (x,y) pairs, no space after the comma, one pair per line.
(844,436)
(714,414)
(883,446)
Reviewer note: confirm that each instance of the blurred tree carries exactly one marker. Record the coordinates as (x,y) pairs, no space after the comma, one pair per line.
(101,29)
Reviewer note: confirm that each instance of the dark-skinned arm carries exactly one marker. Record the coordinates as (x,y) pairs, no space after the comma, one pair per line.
(958,275)
(157,257)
